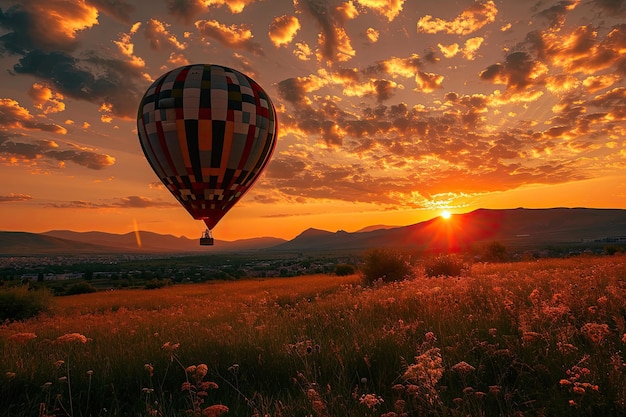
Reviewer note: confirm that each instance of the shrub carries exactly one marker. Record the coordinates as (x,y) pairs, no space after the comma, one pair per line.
(80,288)
(386,265)
(343,270)
(494,252)
(443,265)
(154,283)
(19,303)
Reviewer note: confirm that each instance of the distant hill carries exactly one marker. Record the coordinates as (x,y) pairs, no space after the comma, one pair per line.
(69,242)
(514,228)
(511,227)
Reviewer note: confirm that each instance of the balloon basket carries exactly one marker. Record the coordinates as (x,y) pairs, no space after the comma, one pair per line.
(206,241)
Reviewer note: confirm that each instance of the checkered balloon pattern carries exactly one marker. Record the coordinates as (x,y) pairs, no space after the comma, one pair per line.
(207,131)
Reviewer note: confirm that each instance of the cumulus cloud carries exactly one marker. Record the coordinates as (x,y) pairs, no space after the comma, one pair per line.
(115,82)
(14,116)
(283,29)
(233,36)
(52,25)
(159,37)
(469,21)
(333,41)
(45,99)
(388,8)
(518,71)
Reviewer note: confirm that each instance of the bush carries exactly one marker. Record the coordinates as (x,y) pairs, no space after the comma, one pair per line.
(343,270)
(494,252)
(154,283)
(386,265)
(19,303)
(80,288)
(443,265)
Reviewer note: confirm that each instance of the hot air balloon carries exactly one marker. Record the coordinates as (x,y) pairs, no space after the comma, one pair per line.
(208,132)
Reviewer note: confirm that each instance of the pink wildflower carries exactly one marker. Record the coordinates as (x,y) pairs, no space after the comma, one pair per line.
(71,338)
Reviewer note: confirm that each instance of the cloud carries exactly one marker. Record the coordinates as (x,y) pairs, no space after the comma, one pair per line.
(518,71)
(12,198)
(72,77)
(556,13)
(428,82)
(117,9)
(159,37)
(283,29)
(122,202)
(469,21)
(14,116)
(52,25)
(235,6)
(333,41)
(233,36)
(372,35)
(45,99)
(388,8)
(45,152)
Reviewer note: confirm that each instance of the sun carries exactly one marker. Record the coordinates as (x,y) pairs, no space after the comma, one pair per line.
(446,214)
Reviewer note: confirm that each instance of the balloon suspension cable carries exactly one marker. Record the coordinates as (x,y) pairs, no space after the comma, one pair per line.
(207,238)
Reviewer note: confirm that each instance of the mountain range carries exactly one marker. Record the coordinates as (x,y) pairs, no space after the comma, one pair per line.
(522,228)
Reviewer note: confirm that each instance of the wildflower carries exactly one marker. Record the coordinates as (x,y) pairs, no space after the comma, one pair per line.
(171,347)
(10,375)
(494,389)
(71,338)
(59,363)
(215,410)
(531,336)
(22,337)
(430,337)
(90,372)
(624,338)
(186,386)
(148,367)
(534,296)
(595,332)
(602,300)
(371,400)
(463,368)
(493,332)
(578,390)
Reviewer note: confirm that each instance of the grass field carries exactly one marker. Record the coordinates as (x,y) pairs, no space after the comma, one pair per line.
(542,338)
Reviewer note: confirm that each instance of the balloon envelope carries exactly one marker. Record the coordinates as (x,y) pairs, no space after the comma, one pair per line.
(207,131)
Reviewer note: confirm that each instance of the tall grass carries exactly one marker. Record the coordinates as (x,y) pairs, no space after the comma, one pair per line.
(527,339)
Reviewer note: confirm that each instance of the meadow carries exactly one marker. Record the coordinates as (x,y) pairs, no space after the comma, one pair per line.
(537,338)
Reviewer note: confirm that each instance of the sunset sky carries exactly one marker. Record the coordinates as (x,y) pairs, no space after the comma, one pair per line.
(389,111)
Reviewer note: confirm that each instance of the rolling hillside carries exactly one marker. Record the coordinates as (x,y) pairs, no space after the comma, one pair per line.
(515,228)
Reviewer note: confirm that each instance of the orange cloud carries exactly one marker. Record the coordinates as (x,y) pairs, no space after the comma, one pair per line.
(303,51)
(45,99)
(235,6)
(388,8)
(339,45)
(372,35)
(449,51)
(471,47)
(428,82)
(159,37)
(469,21)
(56,22)
(11,198)
(233,36)
(14,116)
(283,29)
